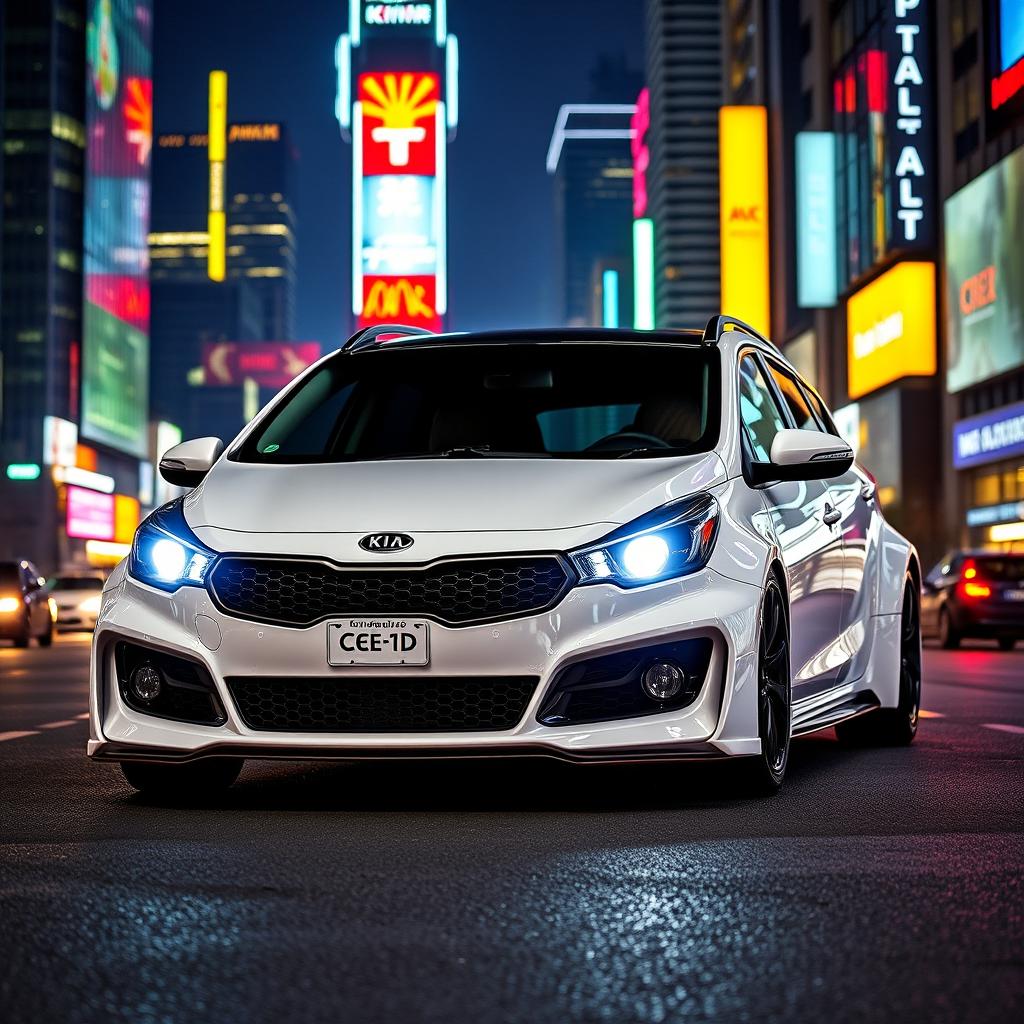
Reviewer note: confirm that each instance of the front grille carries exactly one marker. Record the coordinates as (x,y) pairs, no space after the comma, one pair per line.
(382,704)
(299,592)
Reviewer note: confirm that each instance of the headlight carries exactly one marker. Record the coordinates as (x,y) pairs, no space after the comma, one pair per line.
(166,554)
(10,604)
(52,605)
(671,541)
(91,605)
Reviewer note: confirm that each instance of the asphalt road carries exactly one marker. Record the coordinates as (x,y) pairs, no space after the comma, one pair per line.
(880,885)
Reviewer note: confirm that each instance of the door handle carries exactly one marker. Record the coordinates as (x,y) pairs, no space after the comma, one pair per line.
(831,515)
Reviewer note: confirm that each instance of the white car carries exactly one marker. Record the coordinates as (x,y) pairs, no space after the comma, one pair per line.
(588,544)
(77,597)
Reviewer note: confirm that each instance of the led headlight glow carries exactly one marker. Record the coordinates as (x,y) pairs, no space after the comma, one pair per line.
(671,541)
(166,554)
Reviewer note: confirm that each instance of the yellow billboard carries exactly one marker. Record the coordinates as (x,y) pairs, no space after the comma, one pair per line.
(217,151)
(890,328)
(743,214)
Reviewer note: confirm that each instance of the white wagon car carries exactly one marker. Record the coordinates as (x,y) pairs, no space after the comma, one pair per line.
(594,545)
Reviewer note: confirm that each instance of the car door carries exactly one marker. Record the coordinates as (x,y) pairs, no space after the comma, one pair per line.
(811,549)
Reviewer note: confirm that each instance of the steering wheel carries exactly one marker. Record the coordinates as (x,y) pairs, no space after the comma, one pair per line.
(627,439)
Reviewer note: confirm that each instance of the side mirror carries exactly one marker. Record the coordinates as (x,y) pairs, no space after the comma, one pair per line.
(187,463)
(804,455)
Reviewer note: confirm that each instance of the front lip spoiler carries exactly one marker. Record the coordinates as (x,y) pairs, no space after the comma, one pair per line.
(115,751)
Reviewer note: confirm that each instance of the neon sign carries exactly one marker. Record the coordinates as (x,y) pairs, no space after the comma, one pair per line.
(640,124)
(911,129)
(397,12)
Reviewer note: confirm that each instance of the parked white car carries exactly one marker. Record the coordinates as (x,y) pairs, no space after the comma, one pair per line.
(77,597)
(589,544)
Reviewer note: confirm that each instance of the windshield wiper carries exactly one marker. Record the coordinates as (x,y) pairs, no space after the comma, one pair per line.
(650,453)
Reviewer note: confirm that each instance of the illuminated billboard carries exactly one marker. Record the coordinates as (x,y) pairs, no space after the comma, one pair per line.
(985,275)
(119,134)
(1008,37)
(398,237)
(399,113)
(271,364)
(743,212)
(816,268)
(890,328)
(90,514)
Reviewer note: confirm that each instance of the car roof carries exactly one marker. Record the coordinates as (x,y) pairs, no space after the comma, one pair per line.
(535,336)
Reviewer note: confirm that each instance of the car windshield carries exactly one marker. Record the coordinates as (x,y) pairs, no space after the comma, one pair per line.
(568,400)
(75,583)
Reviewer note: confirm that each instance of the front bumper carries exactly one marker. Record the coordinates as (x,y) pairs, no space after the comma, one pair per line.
(590,620)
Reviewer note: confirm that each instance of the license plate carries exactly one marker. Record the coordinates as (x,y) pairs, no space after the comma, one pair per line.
(380,641)
(1013,595)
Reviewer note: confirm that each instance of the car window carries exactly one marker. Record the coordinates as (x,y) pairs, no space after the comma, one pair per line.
(941,570)
(794,398)
(568,400)
(824,416)
(762,418)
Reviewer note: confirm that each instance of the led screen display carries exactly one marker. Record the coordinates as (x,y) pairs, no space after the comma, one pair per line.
(1011,33)
(90,514)
(115,316)
(985,274)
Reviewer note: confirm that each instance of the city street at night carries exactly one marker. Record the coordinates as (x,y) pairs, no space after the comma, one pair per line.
(879,883)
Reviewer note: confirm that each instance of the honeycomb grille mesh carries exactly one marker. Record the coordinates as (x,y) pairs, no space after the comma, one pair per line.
(382,704)
(298,592)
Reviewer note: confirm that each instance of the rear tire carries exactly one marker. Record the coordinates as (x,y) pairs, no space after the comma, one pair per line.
(22,639)
(949,638)
(762,775)
(46,640)
(200,779)
(894,727)
(1007,643)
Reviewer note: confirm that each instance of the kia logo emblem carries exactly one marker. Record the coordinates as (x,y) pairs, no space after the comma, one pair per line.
(386,542)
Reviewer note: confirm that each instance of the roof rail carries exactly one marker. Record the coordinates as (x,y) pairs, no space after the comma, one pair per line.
(718,325)
(367,337)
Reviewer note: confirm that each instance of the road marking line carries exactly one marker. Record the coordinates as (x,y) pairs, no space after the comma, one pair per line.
(1017,729)
(17,735)
(60,725)
(930,714)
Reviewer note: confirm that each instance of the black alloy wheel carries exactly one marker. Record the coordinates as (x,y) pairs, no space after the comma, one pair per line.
(896,726)
(764,773)
(949,638)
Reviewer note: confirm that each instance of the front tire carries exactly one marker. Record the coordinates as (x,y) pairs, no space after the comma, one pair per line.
(198,780)
(763,774)
(895,726)
(46,640)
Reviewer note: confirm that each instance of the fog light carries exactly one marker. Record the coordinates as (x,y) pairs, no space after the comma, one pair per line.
(146,682)
(662,680)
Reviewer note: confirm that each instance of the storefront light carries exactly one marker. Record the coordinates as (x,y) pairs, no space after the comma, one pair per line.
(1004,533)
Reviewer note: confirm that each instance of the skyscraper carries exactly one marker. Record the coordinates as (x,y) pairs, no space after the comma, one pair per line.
(255,302)
(74,308)
(684,75)
(589,157)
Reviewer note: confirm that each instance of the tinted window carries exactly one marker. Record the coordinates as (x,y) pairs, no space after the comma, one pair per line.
(570,400)
(823,414)
(762,418)
(1002,570)
(794,398)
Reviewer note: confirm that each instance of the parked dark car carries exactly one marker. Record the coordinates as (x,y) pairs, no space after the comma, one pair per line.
(975,594)
(25,610)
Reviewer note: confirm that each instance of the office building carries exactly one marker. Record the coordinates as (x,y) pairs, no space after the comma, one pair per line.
(589,158)
(684,77)
(74,306)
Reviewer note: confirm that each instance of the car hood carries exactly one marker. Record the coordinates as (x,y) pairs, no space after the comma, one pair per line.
(442,495)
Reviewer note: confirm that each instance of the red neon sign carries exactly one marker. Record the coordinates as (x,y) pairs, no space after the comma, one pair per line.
(1008,84)
(641,123)
(399,122)
(406,300)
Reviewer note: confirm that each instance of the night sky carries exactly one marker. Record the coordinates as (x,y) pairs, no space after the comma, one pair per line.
(520,60)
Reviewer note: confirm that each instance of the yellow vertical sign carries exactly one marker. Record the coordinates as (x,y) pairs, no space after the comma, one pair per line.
(743,214)
(217,156)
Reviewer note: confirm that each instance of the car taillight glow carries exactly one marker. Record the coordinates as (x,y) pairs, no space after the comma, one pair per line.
(976,590)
